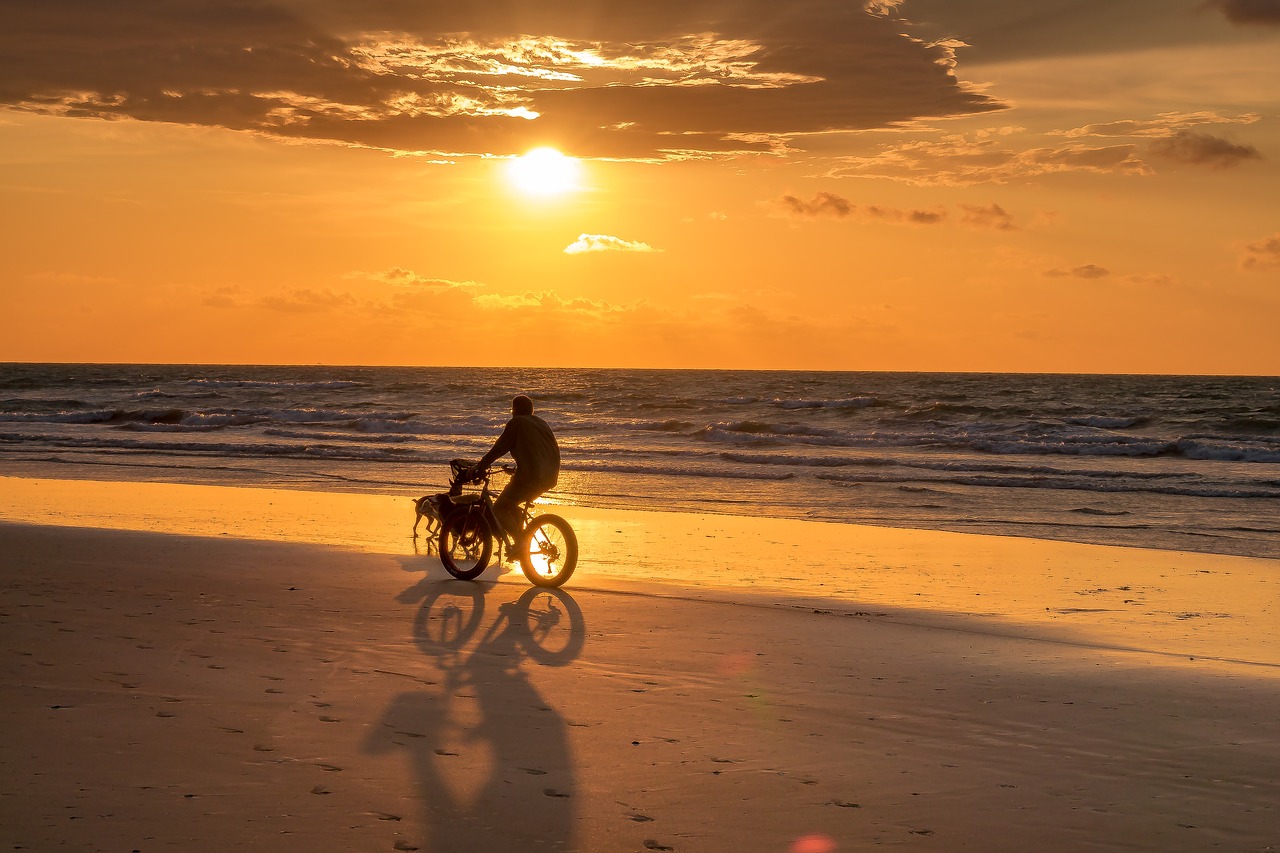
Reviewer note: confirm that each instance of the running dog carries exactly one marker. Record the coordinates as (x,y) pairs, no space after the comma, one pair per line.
(428,507)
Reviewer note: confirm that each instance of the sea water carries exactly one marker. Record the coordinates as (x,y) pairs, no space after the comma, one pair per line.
(1187,463)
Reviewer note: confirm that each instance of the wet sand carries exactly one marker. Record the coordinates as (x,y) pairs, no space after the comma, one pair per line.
(704,683)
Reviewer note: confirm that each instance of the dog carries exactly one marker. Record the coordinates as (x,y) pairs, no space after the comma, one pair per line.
(428,507)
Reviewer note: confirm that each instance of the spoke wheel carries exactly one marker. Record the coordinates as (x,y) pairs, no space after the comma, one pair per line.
(551,625)
(465,544)
(449,617)
(549,551)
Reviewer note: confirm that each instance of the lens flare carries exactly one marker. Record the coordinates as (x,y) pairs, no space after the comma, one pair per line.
(813,844)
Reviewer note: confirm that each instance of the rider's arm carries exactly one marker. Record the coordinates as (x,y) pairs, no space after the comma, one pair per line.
(504,445)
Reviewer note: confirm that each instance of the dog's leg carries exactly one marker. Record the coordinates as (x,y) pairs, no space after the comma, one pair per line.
(417,508)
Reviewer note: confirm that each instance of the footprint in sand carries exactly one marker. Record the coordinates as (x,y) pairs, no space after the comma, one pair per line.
(650,844)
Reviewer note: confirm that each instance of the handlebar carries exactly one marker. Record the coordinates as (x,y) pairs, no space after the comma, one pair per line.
(465,472)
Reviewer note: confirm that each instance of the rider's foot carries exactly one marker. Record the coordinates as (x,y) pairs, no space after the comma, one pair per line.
(510,556)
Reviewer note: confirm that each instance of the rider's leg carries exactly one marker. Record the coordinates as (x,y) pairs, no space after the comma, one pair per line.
(507,511)
(507,506)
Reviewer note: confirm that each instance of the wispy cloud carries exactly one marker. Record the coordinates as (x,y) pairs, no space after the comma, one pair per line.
(550,301)
(1242,12)
(405,278)
(587,243)
(1176,138)
(833,206)
(1202,149)
(1262,255)
(991,216)
(986,157)
(826,204)
(1087,271)
(308,300)
(1163,125)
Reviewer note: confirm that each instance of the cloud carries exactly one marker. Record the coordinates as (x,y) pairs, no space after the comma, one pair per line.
(1162,126)
(1161,280)
(1243,12)
(669,78)
(307,301)
(226,296)
(63,278)
(605,243)
(1202,149)
(992,216)
(1262,255)
(1085,271)
(822,204)
(825,204)
(986,157)
(549,300)
(830,205)
(404,278)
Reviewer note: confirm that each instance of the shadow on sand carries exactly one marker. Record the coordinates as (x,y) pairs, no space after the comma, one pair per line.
(491,757)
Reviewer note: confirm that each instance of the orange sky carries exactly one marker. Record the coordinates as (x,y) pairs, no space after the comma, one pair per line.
(917,185)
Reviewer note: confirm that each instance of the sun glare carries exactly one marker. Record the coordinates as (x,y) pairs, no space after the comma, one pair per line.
(543,171)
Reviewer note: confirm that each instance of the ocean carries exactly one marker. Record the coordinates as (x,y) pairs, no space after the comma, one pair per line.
(1175,462)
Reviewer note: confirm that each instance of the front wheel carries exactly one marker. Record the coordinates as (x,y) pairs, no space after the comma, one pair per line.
(465,544)
(549,551)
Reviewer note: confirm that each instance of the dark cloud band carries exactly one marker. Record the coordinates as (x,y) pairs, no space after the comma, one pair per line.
(661,79)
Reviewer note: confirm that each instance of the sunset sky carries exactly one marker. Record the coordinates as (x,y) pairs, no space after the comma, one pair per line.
(1082,185)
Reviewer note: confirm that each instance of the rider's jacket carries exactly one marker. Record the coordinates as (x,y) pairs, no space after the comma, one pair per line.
(533,446)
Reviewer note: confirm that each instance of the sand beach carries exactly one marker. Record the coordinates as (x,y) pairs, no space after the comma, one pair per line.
(210,668)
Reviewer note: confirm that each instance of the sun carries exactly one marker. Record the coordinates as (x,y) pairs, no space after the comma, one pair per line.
(543,171)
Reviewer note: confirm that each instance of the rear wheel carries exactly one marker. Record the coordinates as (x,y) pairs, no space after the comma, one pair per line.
(550,551)
(465,544)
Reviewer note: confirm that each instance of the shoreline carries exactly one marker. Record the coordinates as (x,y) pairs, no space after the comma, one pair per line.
(1166,603)
(1097,533)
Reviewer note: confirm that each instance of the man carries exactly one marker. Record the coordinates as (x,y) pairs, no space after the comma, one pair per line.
(533,446)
